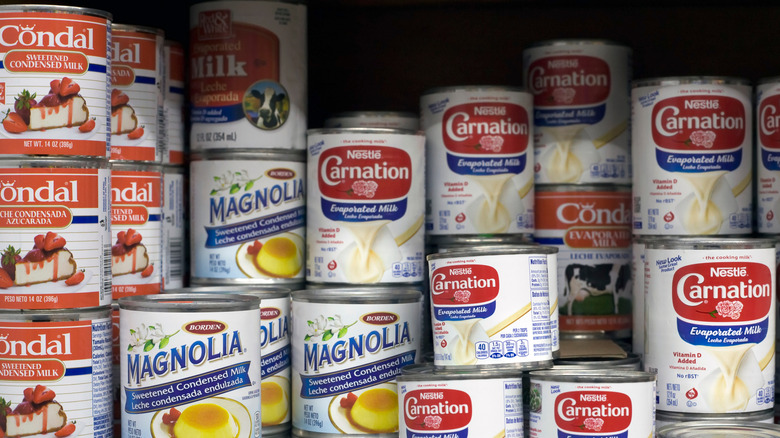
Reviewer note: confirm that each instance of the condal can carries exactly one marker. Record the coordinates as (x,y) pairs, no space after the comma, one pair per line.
(491,308)
(581,110)
(664,419)
(55,76)
(692,139)
(479,177)
(54,233)
(248,83)
(365,206)
(730,428)
(604,403)
(175,214)
(591,227)
(55,372)
(190,356)
(175,134)
(434,403)
(136,228)
(374,119)
(710,315)
(137,78)
(247,210)
(348,346)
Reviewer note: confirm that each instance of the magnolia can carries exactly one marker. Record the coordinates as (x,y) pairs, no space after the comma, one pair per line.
(365,206)
(175,214)
(174,106)
(710,317)
(692,139)
(55,372)
(247,210)
(374,119)
(54,76)
(248,75)
(186,357)
(491,307)
(137,78)
(435,403)
(731,428)
(348,346)
(614,403)
(54,233)
(479,177)
(591,227)
(581,110)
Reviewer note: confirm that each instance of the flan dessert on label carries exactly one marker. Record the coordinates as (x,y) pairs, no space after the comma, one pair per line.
(277,257)
(61,107)
(274,403)
(49,260)
(38,413)
(212,418)
(374,410)
(123,119)
(128,255)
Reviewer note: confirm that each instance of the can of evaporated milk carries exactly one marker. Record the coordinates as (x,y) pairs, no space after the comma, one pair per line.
(175,214)
(768,161)
(710,317)
(725,428)
(248,75)
(491,308)
(136,224)
(190,356)
(692,139)
(137,78)
(365,206)
(348,346)
(591,227)
(604,403)
(581,110)
(55,64)
(55,376)
(247,210)
(479,177)
(174,106)
(374,119)
(435,402)
(54,233)
(663,419)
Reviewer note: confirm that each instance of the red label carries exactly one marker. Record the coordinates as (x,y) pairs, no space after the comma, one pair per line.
(464,284)
(205,327)
(364,172)
(769,122)
(380,318)
(486,128)
(593,412)
(133,50)
(437,409)
(269,313)
(176,63)
(50,31)
(122,75)
(569,80)
(699,123)
(136,188)
(36,341)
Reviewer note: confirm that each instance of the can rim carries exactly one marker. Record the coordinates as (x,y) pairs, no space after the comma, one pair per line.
(734,428)
(58,9)
(190,303)
(475,88)
(689,80)
(703,243)
(583,375)
(428,371)
(398,131)
(408,114)
(124,27)
(350,295)
(54,315)
(494,250)
(262,292)
(578,41)
(223,154)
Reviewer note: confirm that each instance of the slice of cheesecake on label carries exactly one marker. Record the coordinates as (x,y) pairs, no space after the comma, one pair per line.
(123,119)
(47,261)
(128,255)
(61,107)
(71,112)
(38,413)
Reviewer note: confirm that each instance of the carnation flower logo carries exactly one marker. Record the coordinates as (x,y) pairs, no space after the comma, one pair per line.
(704,139)
(564,96)
(593,424)
(569,80)
(461,296)
(472,284)
(362,188)
(432,422)
(728,309)
(491,143)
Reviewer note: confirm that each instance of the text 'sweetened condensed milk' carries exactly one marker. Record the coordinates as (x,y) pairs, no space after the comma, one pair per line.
(137,78)
(54,78)
(710,315)
(591,227)
(479,177)
(55,373)
(175,244)
(348,346)
(54,234)
(174,104)
(581,110)
(365,206)
(247,216)
(436,403)
(248,75)
(136,229)
(692,148)
(592,404)
(188,357)
(490,307)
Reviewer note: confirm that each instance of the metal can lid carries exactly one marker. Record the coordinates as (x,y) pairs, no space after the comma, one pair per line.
(475,89)
(688,417)
(631,361)
(364,131)
(190,303)
(707,243)
(259,291)
(577,42)
(408,114)
(451,241)
(249,154)
(617,188)
(358,295)
(491,250)
(49,315)
(719,429)
(427,372)
(668,81)
(586,376)
(60,9)
(135,166)
(122,27)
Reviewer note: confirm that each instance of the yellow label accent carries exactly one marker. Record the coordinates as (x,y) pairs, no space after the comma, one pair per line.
(610,135)
(509,320)
(406,235)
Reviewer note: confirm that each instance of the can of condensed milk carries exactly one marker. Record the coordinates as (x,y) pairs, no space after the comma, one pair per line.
(725,428)
(175,217)
(373,119)
(174,104)
(581,110)
(692,140)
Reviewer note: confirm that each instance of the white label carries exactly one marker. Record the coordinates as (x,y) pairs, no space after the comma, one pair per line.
(174,243)
(275,345)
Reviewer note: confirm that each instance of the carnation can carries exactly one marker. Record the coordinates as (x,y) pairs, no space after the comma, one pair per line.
(247,210)
(186,357)
(175,215)
(581,110)
(692,139)
(374,119)
(55,372)
(479,177)
(54,76)
(348,346)
(365,206)
(710,317)
(174,105)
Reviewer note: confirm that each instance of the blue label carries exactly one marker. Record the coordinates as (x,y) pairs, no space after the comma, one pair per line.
(275,362)
(695,163)
(574,116)
(459,313)
(216,114)
(564,434)
(770,159)
(486,165)
(722,336)
(255,228)
(463,433)
(363,211)
(353,379)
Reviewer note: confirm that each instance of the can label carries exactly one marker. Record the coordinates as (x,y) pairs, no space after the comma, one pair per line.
(638,297)
(438,408)
(176,367)
(55,378)
(711,332)
(248,220)
(275,346)
(174,105)
(248,81)
(55,238)
(486,186)
(174,245)
(345,361)
(694,176)
(580,112)
(592,231)
(136,95)
(490,310)
(768,136)
(365,208)
(136,213)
